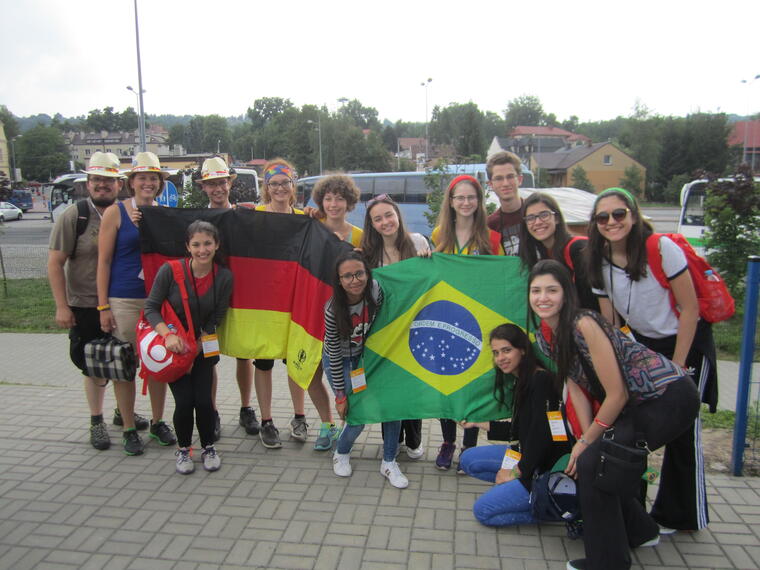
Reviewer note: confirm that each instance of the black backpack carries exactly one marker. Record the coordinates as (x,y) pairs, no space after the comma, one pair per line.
(554,498)
(83,217)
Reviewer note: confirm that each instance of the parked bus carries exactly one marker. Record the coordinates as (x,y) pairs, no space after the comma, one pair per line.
(22,199)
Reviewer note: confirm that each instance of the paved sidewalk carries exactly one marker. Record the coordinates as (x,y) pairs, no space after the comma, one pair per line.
(66,505)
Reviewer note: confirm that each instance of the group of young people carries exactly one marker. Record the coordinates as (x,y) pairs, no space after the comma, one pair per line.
(621,349)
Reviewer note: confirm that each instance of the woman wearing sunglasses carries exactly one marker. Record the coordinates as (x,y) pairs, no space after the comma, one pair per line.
(462,230)
(386,241)
(545,236)
(630,296)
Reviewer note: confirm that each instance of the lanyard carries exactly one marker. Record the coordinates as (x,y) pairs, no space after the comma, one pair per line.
(612,295)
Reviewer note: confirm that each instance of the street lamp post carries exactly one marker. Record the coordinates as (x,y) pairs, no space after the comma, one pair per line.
(319,134)
(13,160)
(139,84)
(426,85)
(748,83)
(140,117)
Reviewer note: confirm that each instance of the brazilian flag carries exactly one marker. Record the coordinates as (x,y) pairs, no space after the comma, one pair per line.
(428,355)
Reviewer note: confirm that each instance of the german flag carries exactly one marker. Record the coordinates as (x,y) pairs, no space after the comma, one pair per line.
(282,266)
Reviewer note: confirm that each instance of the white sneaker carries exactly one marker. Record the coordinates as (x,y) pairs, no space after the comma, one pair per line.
(391,470)
(211,461)
(651,542)
(665,531)
(415,453)
(342,464)
(185,464)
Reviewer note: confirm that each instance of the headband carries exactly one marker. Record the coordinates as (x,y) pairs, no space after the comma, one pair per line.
(464,178)
(619,191)
(277,169)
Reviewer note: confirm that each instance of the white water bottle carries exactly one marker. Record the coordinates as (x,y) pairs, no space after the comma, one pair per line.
(711,276)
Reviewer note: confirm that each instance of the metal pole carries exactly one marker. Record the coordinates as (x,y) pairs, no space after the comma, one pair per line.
(319,130)
(13,157)
(141,121)
(745,361)
(426,85)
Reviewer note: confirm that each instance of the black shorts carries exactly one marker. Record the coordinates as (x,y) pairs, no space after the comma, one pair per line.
(87,328)
(263,364)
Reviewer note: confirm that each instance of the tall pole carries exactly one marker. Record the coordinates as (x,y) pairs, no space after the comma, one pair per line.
(426,85)
(13,157)
(141,122)
(319,131)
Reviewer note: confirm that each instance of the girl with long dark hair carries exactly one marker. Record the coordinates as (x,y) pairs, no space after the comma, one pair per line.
(665,320)
(348,317)
(646,400)
(533,394)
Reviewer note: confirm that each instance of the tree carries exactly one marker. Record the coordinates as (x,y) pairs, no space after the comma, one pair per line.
(127,120)
(579,179)
(435,179)
(266,109)
(461,126)
(632,180)
(10,124)
(363,117)
(42,153)
(570,124)
(733,233)
(216,134)
(524,110)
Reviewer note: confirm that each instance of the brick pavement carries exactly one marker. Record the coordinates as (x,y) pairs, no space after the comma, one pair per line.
(66,505)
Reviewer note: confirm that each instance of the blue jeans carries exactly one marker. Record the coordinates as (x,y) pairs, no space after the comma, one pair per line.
(351,432)
(502,505)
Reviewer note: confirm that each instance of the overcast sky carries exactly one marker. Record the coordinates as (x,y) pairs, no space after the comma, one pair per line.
(592,59)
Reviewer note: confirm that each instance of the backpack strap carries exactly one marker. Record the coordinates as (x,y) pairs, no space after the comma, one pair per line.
(83,218)
(568,257)
(179,276)
(654,262)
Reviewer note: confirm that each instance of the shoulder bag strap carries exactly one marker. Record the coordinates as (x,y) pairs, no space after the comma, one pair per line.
(179,277)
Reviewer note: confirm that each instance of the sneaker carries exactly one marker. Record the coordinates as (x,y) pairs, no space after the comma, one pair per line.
(99,436)
(342,464)
(217,435)
(133,444)
(162,433)
(185,464)
(666,531)
(211,460)
(391,471)
(270,436)
(248,421)
(415,453)
(141,422)
(460,471)
(299,429)
(328,433)
(651,542)
(577,564)
(445,455)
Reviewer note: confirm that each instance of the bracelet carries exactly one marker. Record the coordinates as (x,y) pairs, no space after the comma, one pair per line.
(105,307)
(341,400)
(599,422)
(583,441)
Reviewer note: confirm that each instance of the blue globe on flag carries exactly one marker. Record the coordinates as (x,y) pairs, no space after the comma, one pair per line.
(445,338)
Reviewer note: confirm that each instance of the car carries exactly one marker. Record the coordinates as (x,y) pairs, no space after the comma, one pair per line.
(9,212)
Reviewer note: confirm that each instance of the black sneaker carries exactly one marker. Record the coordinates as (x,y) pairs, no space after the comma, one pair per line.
(248,421)
(217,427)
(133,444)
(141,422)
(270,436)
(162,433)
(99,436)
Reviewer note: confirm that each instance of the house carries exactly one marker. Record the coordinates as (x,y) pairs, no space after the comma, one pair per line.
(746,135)
(603,162)
(525,141)
(122,143)
(5,159)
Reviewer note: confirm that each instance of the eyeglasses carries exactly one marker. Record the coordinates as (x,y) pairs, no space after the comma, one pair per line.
(218,182)
(284,185)
(543,216)
(378,198)
(508,178)
(618,214)
(349,277)
(460,199)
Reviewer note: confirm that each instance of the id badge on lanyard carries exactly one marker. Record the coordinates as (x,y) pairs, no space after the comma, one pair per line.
(556,426)
(210,343)
(358,379)
(511,459)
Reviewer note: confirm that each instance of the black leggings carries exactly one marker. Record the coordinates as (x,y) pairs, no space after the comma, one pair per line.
(449,433)
(192,393)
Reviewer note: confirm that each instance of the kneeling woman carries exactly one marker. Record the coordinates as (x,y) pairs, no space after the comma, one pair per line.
(208,287)
(645,399)
(508,503)
(348,317)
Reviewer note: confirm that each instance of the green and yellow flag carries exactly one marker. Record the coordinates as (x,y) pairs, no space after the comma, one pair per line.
(428,354)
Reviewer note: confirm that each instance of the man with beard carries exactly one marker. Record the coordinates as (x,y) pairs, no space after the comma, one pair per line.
(72,267)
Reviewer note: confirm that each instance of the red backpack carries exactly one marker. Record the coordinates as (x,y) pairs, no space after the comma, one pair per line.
(568,258)
(715,302)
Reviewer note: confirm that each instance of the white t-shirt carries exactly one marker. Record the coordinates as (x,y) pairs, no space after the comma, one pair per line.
(645,304)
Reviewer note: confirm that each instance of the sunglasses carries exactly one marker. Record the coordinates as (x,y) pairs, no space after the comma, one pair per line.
(618,214)
(379,198)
